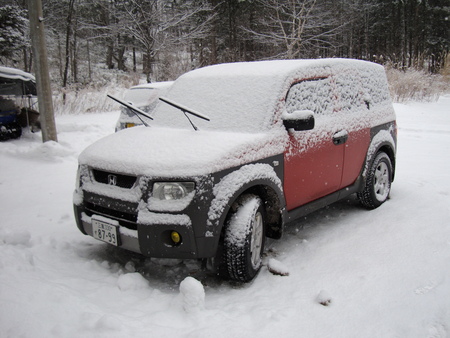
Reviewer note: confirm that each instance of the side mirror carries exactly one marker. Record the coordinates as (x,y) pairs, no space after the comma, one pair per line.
(298,120)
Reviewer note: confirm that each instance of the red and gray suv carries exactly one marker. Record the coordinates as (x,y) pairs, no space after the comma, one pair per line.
(236,151)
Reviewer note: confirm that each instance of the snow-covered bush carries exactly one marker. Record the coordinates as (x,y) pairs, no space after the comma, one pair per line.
(415,85)
(92,98)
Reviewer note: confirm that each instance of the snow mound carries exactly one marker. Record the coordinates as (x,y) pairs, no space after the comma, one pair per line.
(193,295)
(109,323)
(18,237)
(132,281)
(277,268)
(31,148)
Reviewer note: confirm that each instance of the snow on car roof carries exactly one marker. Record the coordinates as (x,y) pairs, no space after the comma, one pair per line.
(275,70)
(15,74)
(154,85)
(241,96)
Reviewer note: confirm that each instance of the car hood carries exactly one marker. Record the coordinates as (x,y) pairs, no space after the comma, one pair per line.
(166,152)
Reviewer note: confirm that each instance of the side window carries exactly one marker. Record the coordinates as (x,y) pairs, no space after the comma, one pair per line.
(351,96)
(312,95)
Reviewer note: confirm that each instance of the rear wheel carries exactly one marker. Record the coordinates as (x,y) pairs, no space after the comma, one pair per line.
(244,238)
(378,183)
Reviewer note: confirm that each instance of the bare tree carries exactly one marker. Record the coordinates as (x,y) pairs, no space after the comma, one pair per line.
(296,28)
(158,26)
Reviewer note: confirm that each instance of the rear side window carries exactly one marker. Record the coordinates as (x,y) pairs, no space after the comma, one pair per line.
(351,92)
(312,95)
(375,85)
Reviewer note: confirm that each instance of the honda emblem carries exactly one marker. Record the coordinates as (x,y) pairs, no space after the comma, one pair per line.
(112,179)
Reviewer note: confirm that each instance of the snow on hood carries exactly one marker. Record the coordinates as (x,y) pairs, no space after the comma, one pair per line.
(172,152)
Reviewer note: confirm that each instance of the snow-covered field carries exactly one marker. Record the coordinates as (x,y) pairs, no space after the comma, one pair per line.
(352,272)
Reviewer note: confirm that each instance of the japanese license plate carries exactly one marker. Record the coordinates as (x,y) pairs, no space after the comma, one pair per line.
(105,232)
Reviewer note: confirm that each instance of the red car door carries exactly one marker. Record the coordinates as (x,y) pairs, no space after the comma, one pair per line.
(354,106)
(314,158)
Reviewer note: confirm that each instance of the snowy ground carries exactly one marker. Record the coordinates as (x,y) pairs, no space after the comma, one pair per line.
(381,273)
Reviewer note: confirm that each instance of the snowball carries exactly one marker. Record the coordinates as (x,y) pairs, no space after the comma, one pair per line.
(132,281)
(193,295)
(277,268)
(324,298)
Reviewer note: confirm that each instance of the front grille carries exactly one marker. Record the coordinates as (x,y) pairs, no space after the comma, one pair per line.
(125,219)
(119,180)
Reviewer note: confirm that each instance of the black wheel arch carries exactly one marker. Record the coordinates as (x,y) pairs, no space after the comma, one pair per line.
(385,147)
(390,152)
(274,202)
(273,205)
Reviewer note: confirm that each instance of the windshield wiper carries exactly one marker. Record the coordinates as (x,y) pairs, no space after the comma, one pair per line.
(134,109)
(185,111)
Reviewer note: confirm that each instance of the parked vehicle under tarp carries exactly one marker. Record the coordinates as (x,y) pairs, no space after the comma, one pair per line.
(18,103)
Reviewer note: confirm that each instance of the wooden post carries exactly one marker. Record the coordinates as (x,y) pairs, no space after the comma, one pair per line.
(44,90)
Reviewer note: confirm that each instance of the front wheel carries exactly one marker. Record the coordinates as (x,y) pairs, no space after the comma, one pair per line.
(244,238)
(378,183)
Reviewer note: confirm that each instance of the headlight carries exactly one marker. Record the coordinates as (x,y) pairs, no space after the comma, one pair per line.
(172,190)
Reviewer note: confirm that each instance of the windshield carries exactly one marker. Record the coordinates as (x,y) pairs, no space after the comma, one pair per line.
(233,103)
(141,96)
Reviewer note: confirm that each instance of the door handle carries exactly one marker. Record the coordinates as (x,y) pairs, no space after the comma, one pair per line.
(340,137)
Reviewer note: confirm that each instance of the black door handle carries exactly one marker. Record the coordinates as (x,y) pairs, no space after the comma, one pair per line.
(340,137)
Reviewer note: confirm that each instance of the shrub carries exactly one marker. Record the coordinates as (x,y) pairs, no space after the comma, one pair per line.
(92,98)
(415,85)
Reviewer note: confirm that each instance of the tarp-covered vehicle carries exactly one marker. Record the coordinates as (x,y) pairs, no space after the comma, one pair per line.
(18,102)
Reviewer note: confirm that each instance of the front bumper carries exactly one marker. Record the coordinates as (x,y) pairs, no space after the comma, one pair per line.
(152,234)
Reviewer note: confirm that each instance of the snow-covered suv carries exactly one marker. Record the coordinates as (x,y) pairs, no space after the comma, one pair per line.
(236,151)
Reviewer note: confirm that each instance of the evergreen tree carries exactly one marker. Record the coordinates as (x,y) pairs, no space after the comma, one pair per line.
(13,31)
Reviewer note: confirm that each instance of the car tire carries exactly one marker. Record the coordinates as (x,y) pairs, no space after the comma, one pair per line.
(244,239)
(16,131)
(378,183)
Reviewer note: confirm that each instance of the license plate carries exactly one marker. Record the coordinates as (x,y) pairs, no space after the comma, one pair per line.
(129,125)
(105,232)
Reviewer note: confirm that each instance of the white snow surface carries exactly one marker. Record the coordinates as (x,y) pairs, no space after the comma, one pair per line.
(385,272)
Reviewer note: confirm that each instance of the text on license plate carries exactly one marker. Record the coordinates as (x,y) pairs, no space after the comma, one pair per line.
(105,232)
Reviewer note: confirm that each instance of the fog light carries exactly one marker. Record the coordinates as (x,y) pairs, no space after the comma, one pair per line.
(176,237)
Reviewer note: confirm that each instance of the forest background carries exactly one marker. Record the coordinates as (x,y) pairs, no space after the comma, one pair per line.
(97,44)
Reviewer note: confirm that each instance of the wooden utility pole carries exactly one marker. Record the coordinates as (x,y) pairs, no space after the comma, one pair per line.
(44,90)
